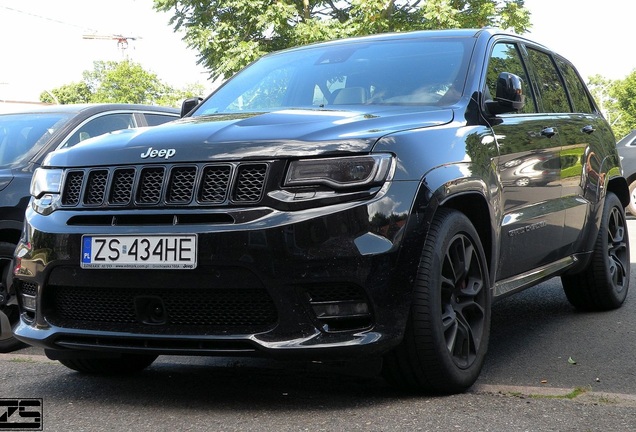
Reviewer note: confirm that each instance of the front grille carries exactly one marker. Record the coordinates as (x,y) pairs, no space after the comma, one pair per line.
(28,288)
(146,186)
(187,310)
(121,190)
(72,188)
(250,179)
(214,184)
(182,180)
(149,191)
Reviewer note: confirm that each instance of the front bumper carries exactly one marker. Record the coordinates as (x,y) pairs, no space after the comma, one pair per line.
(330,282)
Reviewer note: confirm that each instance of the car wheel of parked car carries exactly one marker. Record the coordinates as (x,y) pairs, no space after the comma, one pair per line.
(126,364)
(631,207)
(11,313)
(447,334)
(604,284)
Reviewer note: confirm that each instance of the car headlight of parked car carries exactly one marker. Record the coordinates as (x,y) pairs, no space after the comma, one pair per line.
(45,189)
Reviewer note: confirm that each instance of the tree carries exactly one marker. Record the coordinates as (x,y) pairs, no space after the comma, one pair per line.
(600,87)
(617,101)
(120,82)
(229,34)
(77,92)
(623,93)
(123,82)
(174,97)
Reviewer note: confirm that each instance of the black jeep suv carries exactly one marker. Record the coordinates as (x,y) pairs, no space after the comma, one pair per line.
(355,198)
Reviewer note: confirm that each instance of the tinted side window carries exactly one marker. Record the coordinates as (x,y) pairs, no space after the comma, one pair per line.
(505,58)
(576,88)
(157,119)
(549,83)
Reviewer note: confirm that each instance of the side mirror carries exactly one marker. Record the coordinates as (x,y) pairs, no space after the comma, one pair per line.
(510,97)
(189,104)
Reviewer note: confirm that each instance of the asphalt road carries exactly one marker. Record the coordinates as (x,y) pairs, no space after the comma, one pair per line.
(549,368)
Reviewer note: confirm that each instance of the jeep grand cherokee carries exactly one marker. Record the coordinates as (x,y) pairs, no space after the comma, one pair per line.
(361,197)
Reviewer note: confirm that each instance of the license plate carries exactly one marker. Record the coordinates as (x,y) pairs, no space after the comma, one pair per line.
(139,252)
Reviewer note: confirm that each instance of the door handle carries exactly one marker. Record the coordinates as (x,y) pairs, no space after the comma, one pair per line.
(588,129)
(549,132)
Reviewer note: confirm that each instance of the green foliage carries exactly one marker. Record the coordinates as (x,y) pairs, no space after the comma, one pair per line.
(617,101)
(229,34)
(123,82)
(174,97)
(72,93)
(623,93)
(120,82)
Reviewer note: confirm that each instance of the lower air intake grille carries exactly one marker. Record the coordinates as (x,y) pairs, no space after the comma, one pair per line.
(194,311)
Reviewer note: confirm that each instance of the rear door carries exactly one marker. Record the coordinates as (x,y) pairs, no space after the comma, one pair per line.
(588,151)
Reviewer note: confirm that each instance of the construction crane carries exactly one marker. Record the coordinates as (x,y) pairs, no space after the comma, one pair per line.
(122,41)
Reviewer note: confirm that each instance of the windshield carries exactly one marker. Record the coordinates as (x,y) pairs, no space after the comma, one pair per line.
(391,72)
(22,135)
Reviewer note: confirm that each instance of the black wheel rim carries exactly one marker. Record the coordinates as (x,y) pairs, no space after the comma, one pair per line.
(463,301)
(617,248)
(10,311)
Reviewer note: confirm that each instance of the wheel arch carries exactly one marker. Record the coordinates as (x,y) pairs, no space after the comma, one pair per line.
(474,205)
(10,231)
(442,188)
(620,187)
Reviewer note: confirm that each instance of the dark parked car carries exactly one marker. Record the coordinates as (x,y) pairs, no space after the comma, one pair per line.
(25,139)
(627,151)
(342,200)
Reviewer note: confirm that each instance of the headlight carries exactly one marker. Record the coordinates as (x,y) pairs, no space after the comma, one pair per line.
(46,185)
(46,181)
(340,173)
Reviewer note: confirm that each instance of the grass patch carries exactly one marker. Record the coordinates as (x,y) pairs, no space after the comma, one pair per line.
(22,360)
(578,391)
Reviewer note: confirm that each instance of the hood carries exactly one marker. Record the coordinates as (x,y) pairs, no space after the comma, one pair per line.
(279,134)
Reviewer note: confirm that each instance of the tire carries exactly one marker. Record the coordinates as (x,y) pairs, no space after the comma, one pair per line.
(603,285)
(124,365)
(10,312)
(631,207)
(448,329)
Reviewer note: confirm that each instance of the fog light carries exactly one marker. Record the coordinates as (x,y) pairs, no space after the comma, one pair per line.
(340,310)
(28,302)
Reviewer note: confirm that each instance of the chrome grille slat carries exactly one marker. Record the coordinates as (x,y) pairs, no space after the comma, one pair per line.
(154,186)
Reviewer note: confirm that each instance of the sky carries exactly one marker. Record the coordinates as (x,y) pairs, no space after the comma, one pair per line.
(44,42)
(44,46)
(597,37)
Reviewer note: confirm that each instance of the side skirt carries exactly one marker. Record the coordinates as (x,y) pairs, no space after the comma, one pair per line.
(522,281)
